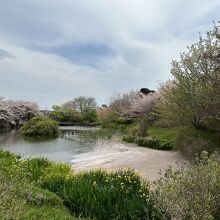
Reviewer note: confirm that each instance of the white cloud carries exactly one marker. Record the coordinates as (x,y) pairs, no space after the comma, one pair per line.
(145,35)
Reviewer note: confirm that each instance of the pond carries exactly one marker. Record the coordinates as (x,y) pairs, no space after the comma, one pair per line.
(85,154)
(70,146)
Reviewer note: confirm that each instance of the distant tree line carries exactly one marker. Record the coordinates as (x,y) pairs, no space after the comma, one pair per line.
(80,109)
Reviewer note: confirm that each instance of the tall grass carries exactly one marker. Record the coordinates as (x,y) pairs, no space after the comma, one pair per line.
(101,195)
(53,191)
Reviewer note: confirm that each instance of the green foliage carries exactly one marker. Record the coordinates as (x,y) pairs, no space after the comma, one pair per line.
(194,94)
(96,194)
(85,104)
(191,141)
(64,113)
(130,139)
(34,168)
(81,110)
(150,143)
(193,192)
(102,195)
(111,120)
(47,212)
(211,125)
(40,127)
(90,116)
(165,135)
(23,199)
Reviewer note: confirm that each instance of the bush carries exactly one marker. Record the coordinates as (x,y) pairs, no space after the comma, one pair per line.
(191,141)
(102,195)
(64,113)
(90,116)
(40,127)
(150,143)
(129,139)
(193,192)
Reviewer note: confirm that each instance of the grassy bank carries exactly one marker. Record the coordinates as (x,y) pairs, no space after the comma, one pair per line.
(40,189)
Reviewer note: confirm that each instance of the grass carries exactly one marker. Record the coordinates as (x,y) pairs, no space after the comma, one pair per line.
(101,195)
(21,196)
(41,189)
(165,135)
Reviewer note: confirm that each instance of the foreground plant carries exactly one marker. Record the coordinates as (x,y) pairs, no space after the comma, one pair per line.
(193,192)
(101,195)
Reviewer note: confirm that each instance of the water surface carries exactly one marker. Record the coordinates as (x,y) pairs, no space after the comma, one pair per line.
(70,146)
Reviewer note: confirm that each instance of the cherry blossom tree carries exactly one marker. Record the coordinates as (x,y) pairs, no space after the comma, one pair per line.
(16,113)
(121,103)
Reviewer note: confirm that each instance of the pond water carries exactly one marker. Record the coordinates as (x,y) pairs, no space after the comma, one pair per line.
(69,147)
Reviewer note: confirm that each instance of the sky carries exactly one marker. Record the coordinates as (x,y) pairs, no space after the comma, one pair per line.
(52,51)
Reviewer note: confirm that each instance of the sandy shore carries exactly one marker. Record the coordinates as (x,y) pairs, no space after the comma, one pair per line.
(147,161)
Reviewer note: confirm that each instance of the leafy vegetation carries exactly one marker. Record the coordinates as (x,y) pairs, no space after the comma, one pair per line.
(184,113)
(191,192)
(65,113)
(40,127)
(102,195)
(150,143)
(53,191)
(20,197)
(81,110)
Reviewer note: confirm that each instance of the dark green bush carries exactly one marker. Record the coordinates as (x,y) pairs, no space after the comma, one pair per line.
(90,116)
(129,139)
(40,127)
(150,143)
(166,146)
(154,144)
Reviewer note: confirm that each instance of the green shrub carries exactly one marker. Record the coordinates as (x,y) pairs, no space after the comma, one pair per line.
(154,144)
(191,141)
(65,113)
(166,146)
(40,127)
(129,139)
(193,192)
(150,143)
(90,116)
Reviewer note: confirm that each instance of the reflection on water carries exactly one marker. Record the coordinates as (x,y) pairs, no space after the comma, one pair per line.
(69,147)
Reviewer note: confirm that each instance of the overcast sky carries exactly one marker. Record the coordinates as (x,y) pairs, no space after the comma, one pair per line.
(54,50)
